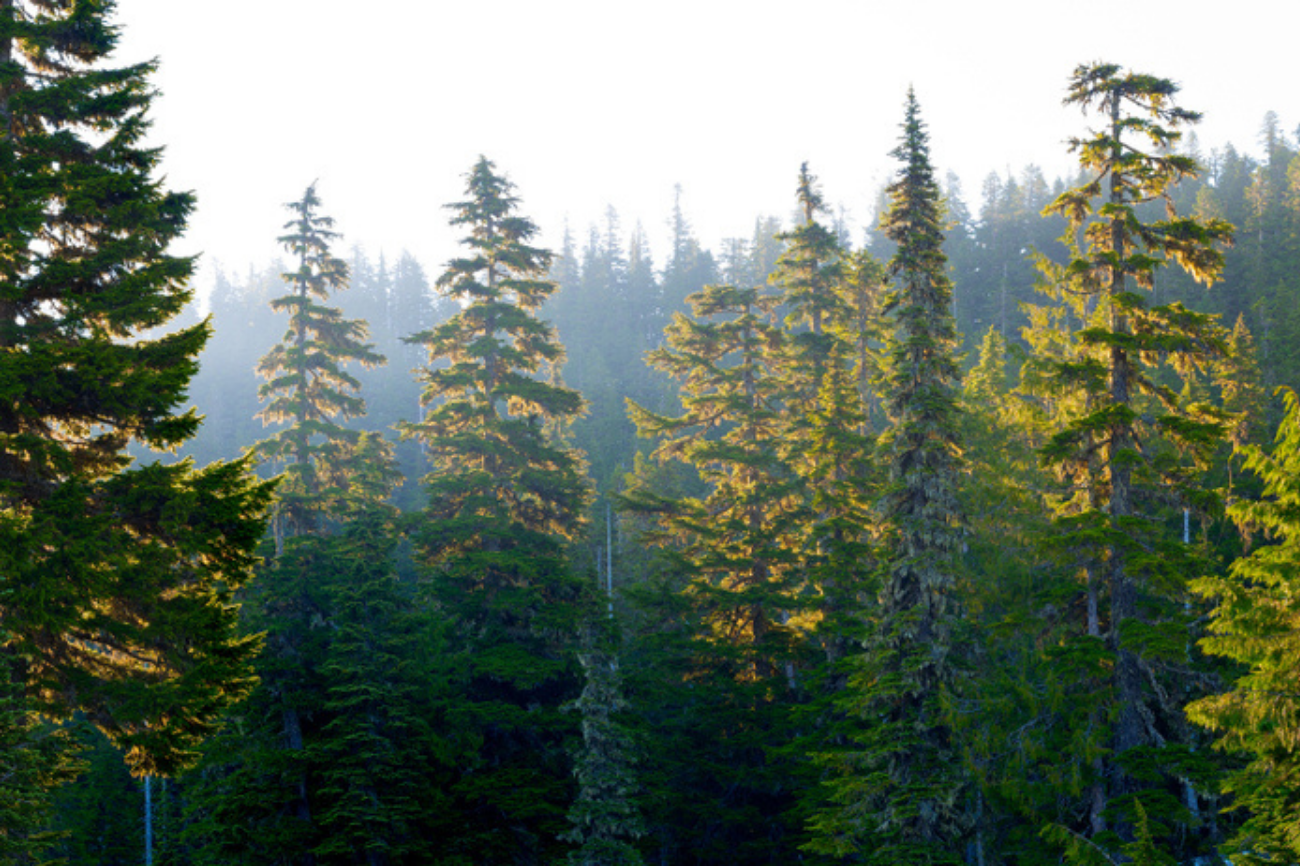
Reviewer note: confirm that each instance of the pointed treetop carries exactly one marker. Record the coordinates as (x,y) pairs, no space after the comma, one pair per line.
(810,197)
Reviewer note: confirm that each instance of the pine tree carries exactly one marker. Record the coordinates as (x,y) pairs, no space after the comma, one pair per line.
(1254,624)
(503,501)
(115,579)
(897,793)
(1137,468)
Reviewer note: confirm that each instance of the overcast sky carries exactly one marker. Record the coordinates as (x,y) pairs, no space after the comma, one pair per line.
(590,103)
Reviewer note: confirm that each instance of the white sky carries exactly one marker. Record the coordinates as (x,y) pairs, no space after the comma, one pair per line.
(589,103)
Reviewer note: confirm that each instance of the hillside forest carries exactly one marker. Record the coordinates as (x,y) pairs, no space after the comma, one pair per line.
(972,539)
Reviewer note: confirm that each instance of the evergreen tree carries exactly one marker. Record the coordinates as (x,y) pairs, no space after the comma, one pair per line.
(1254,624)
(115,579)
(375,746)
(264,801)
(736,552)
(897,793)
(307,385)
(503,500)
(1137,467)
(605,815)
(822,409)
(35,758)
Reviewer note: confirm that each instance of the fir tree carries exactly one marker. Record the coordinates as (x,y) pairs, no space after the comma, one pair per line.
(35,758)
(1141,448)
(503,501)
(115,579)
(897,793)
(736,552)
(264,800)
(307,384)
(374,746)
(605,815)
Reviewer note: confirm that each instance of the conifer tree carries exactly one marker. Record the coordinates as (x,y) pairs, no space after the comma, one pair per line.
(115,579)
(1254,624)
(897,793)
(1139,466)
(307,384)
(736,550)
(264,795)
(605,815)
(823,438)
(374,746)
(503,501)
(35,757)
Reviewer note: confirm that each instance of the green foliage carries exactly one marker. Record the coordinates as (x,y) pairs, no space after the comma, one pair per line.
(1254,625)
(35,758)
(605,815)
(503,501)
(1129,451)
(306,383)
(896,791)
(116,579)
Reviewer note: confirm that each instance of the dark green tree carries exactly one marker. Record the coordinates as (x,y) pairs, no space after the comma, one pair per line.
(265,796)
(897,793)
(35,758)
(378,788)
(116,579)
(503,502)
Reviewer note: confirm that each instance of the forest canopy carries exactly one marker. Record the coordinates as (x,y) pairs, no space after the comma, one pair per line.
(970,540)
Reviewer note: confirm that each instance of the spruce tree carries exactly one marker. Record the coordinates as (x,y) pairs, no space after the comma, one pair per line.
(116,579)
(605,815)
(824,438)
(503,502)
(897,792)
(35,758)
(264,799)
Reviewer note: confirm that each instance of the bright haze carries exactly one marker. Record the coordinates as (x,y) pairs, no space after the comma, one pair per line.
(587,105)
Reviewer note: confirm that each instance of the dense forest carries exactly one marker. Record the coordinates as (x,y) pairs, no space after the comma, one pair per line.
(971,540)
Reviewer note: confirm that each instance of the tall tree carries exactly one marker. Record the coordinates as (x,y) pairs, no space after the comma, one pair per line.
(1140,466)
(824,438)
(115,579)
(896,793)
(503,501)
(266,785)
